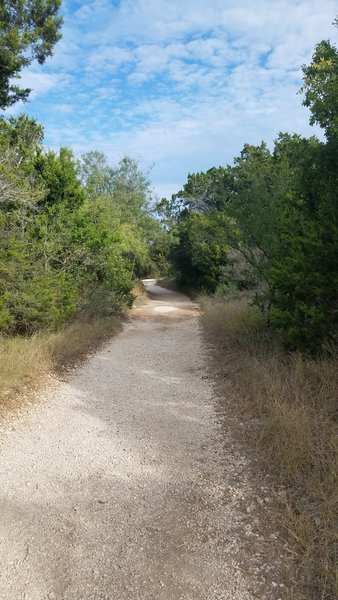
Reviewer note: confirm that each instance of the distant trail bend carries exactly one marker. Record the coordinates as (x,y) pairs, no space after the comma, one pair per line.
(117,485)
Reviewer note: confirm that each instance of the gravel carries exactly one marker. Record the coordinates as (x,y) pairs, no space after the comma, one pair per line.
(117,484)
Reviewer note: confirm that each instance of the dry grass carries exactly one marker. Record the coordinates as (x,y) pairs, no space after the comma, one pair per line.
(295,398)
(139,293)
(25,362)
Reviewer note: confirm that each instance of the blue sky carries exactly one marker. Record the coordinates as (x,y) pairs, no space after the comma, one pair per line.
(177,84)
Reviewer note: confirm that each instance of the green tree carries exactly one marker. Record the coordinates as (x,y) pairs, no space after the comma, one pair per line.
(163,238)
(124,190)
(204,191)
(201,249)
(96,174)
(62,255)
(271,220)
(321,87)
(59,174)
(29,29)
(304,277)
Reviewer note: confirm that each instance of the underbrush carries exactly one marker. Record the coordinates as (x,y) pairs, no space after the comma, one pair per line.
(294,398)
(25,361)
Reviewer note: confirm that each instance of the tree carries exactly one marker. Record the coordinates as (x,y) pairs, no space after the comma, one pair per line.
(29,29)
(279,211)
(204,191)
(321,87)
(125,194)
(20,140)
(61,255)
(59,174)
(96,174)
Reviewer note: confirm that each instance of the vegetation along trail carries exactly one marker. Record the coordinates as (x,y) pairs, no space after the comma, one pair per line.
(121,483)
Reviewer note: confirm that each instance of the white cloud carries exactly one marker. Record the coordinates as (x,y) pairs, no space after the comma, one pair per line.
(184,84)
(63,108)
(40,82)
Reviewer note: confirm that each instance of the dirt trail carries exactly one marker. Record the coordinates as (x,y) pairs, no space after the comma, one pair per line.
(118,484)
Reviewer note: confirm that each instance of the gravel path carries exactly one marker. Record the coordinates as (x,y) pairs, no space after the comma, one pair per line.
(117,484)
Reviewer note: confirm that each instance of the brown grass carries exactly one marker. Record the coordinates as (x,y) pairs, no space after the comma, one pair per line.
(25,362)
(139,293)
(295,399)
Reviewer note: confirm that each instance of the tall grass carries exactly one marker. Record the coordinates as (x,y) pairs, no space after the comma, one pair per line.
(295,398)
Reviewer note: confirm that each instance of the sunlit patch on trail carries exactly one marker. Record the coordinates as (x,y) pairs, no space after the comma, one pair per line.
(163,309)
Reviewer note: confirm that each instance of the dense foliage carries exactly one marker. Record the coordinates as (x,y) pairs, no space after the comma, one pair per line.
(269,221)
(72,235)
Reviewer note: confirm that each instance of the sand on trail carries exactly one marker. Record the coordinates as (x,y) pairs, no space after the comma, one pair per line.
(116,483)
